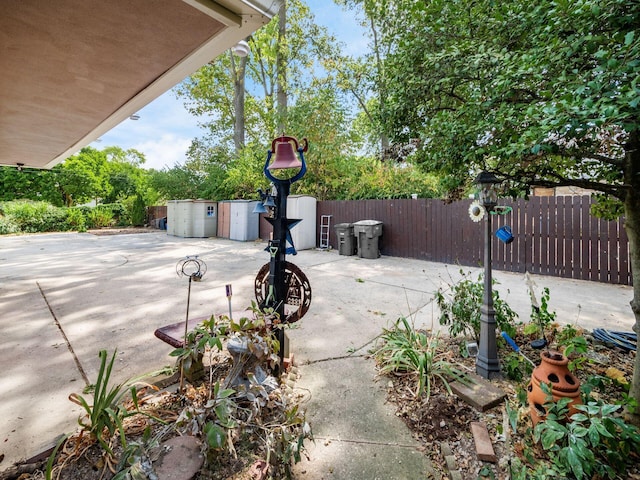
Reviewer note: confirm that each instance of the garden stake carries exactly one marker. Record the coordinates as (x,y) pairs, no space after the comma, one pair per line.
(194,268)
(516,348)
(228,289)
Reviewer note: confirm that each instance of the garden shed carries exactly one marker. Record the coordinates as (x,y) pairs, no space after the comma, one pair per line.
(237,221)
(192,218)
(303,207)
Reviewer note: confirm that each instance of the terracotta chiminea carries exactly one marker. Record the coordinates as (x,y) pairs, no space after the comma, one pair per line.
(552,370)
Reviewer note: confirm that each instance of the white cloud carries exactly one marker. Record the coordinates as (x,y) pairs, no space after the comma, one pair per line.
(164,151)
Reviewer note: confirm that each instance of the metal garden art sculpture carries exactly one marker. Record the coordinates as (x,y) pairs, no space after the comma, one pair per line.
(194,269)
(280,285)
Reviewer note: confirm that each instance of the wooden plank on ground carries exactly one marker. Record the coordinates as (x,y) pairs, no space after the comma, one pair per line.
(478,392)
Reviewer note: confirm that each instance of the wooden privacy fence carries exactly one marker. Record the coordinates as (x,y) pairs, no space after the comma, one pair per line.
(554,236)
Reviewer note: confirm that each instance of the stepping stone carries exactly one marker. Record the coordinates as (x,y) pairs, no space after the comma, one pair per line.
(479,393)
(180,459)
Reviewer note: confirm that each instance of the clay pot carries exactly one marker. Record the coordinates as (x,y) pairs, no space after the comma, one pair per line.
(564,384)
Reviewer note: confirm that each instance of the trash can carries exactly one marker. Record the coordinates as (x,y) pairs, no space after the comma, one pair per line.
(163,223)
(346,242)
(367,232)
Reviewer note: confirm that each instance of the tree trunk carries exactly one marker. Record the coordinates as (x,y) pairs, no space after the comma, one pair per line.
(281,66)
(238,102)
(632,226)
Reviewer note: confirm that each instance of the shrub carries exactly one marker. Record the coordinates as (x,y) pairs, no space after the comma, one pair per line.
(99,217)
(595,443)
(76,220)
(137,213)
(32,217)
(7,226)
(460,309)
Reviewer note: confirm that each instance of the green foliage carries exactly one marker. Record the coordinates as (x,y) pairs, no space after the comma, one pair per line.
(607,207)
(541,317)
(8,226)
(594,442)
(26,216)
(135,461)
(105,412)
(407,350)
(460,304)
(40,185)
(544,94)
(138,212)
(76,220)
(515,367)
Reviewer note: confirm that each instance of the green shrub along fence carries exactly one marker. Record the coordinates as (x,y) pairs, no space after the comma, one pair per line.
(23,216)
(554,236)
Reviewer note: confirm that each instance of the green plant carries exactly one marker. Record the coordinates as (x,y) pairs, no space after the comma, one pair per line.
(246,411)
(32,217)
(135,462)
(595,442)
(76,220)
(138,212)
(207,336)
(515,367)
(99,217)
(106,411)
(8,225)
(574,348)
(407,350)
(460,309)
(541,317)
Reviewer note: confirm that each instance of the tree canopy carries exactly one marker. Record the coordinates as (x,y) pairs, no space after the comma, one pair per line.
(539,93)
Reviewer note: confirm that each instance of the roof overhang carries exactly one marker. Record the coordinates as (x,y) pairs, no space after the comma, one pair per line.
(71,70)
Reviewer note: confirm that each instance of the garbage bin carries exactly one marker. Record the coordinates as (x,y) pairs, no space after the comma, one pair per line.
(163,223)
(346,242)
(367,232)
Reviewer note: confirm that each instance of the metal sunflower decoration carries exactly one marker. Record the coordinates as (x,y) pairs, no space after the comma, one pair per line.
(476,211)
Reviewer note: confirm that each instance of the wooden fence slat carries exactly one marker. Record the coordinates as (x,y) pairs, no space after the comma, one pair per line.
(574,241)
(560,223)
(614,252)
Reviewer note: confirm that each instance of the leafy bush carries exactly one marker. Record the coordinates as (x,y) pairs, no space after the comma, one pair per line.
(76,220)
(595,443)
(100,217)
(460,309)
(7,226)
(32,217)
(138,213)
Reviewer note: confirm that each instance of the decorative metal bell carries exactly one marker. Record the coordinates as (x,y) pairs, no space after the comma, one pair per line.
(285,154)
(260,208)
(269,202)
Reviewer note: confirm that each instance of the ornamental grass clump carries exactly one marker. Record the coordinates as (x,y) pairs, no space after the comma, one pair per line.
(405,350)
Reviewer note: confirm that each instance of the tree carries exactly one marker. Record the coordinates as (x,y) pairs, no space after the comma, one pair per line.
(29,184)
(540,93)
(123,175)
(80,177)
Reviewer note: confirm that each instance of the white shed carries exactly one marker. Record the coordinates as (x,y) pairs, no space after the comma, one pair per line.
(192,218)
(304,233)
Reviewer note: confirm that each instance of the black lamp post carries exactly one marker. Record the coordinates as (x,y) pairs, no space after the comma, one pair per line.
(487,363)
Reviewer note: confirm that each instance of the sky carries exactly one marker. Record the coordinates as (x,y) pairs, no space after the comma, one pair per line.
(165,128)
